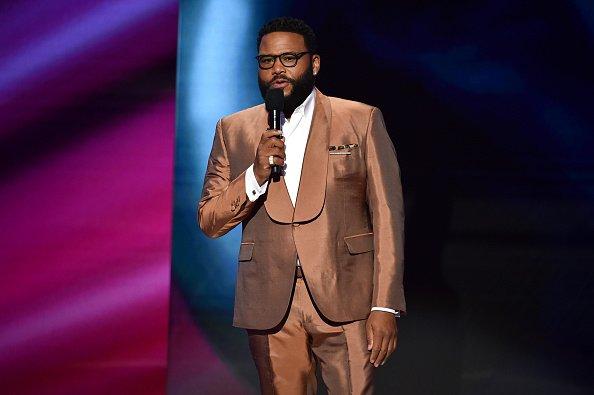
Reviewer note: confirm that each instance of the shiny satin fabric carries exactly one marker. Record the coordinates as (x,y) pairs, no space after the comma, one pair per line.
(286,356)
(347,226)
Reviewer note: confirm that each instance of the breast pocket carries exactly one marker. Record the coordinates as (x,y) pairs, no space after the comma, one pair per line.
(345,164)
(246,251)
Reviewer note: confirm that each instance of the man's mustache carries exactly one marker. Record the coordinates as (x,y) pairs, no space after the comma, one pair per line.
(289,80)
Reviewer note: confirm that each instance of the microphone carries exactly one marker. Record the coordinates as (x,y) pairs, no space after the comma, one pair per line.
(275,101)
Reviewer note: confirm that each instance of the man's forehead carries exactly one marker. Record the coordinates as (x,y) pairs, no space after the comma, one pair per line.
(279,42)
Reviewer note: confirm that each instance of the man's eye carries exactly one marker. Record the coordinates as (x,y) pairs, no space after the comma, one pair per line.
(289,58)
(266,60)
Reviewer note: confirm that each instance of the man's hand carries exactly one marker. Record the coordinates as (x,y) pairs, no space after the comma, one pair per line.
(270,144)
(382,336)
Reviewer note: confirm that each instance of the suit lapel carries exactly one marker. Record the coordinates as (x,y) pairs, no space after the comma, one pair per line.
(312,185)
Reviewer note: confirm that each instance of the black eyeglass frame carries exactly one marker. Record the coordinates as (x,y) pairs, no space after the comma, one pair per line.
(298,55)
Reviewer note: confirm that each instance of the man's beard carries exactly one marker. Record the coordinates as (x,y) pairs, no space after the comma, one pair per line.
(302,87)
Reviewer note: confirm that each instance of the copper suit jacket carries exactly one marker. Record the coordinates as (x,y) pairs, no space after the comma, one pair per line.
(347,226)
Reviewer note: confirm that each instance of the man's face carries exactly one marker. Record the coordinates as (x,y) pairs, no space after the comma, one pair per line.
(291,80)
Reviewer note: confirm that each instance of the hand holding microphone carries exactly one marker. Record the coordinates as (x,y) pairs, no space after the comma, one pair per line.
(270,147)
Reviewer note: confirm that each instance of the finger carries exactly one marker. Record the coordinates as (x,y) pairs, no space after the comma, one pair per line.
(272,149)
(271,143)
(383,351)
(265,159)
(271,134)
(277,143)
(391,348)
(276,151)
(275,161)
(376,348)
(369,337)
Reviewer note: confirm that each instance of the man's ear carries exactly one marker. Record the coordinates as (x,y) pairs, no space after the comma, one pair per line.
(315,61)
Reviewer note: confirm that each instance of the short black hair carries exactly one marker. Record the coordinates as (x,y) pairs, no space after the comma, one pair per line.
(291,25)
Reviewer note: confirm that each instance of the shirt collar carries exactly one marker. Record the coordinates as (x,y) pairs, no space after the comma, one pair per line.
(306,103)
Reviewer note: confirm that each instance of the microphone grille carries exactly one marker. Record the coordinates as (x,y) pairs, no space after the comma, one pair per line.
(275,99)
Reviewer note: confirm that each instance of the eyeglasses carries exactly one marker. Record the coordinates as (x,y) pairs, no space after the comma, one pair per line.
(288,59)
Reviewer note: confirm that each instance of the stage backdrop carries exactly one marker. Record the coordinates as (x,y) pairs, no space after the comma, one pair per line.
(86,165)
(489,106)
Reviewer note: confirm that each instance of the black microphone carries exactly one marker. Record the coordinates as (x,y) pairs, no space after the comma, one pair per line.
(275,101)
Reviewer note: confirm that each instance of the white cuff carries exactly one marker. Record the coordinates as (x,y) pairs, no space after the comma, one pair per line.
(252,189)
(396,313)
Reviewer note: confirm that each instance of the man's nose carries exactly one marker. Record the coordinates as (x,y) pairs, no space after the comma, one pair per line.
(278,67)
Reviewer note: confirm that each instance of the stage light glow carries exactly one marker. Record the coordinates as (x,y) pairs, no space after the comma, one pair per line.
(216,77)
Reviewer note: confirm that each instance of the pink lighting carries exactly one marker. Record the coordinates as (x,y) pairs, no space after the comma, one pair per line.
(86,260)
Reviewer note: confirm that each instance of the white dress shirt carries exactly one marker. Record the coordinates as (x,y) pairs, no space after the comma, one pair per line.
(295,131)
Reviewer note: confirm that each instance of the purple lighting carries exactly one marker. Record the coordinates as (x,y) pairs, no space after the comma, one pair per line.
(74,38)
(87,260)
(80,49)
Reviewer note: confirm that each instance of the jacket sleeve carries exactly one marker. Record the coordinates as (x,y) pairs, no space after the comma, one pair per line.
(385,202)
(224,202)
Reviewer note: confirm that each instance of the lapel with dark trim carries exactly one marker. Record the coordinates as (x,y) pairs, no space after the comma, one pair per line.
(312,184)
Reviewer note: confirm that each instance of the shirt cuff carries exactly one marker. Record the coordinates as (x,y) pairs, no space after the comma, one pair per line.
(252,188)
(396,313)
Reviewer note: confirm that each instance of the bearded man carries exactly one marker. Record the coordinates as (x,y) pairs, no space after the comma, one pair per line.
(320,267)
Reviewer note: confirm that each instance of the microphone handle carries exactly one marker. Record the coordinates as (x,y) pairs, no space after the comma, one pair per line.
(274,122)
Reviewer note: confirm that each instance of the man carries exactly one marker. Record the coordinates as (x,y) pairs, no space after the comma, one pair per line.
(321,258)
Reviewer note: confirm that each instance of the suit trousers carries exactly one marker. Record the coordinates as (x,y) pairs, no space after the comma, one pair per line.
(287,355)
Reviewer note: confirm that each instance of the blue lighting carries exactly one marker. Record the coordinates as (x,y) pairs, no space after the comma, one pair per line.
(217,75)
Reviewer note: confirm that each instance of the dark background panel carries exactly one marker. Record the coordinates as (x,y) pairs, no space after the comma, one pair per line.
(488,104)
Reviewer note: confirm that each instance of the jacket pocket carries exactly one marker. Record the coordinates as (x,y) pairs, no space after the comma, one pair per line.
(358,244)
(245,251)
